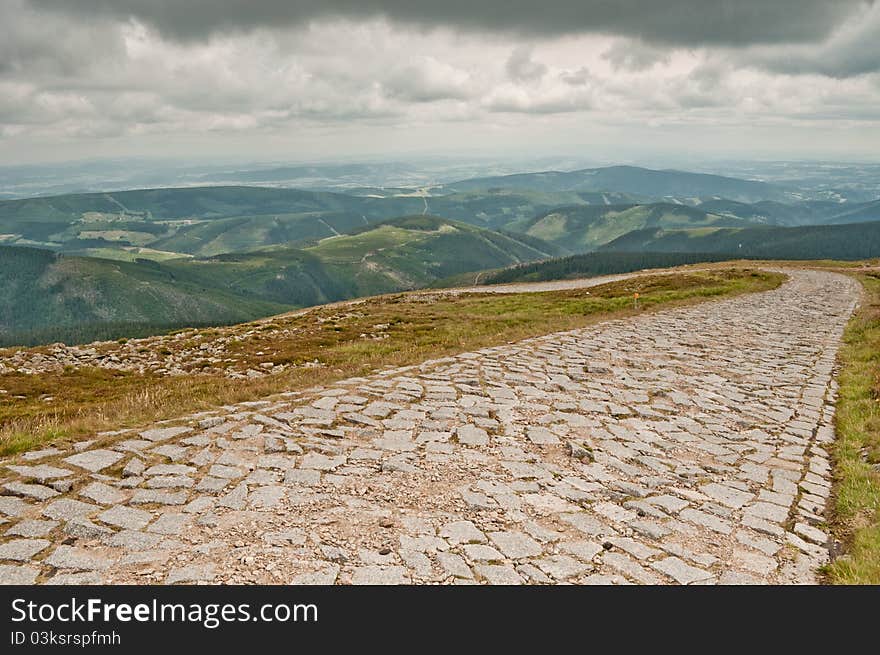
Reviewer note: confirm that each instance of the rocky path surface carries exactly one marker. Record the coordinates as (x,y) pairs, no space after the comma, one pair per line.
(556,285)
(683,446)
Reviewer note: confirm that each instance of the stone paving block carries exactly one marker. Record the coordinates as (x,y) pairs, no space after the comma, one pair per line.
(94,460)
(126,517)
(481,553)
(266,497)
(150,496)
(66,509)
(754,562)
(630,568)
(191,573)
(727,495)
(169,482)
(14,506)
(319,462)
(32,528)
(470,435)
(323,576)
(103,493)
(810,533)
(42,472)
(562,567)
(172,523)
(498,574)
(638,550)
(32,491)
(70,557)
(462,532)
(162,434)
(212,485)
(76,579)
(707,520)
(680,571)
(515,545)
(134,540)
(236,498)
(380,575)
(454,565)
(11,574)
(533,574)
(767,511)
(170,469)
(582,549)
(35,455)
(541,436)
(22,550)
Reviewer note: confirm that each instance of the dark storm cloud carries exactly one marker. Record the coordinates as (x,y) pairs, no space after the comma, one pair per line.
(853,50)
(674,22)
(33,44)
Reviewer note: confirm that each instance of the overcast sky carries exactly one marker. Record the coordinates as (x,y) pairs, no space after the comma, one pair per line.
(301,79)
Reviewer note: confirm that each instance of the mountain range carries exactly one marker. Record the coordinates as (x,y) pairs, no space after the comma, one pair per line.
(112,263)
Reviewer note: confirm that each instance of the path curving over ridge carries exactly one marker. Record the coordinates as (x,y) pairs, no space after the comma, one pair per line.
(682,446)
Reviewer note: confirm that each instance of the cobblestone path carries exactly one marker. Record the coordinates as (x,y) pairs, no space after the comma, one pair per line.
(684,446)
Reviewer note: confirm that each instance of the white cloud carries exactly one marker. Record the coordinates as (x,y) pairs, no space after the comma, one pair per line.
(336,84)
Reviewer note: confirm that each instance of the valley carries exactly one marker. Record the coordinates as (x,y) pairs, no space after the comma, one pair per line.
(123,264)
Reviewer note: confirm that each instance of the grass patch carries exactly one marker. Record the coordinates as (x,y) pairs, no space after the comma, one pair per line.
(19,442)
(857,449)
(363,336)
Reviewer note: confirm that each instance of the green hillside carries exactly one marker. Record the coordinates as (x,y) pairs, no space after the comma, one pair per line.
(811,212)
(587,265)
(207,221)
(398,254)
(242,233)
(588,227)
(414,251)
(500,208)
(45,296)
(203,220)
(865,212)
(580,210)
(851,241)
(646,183)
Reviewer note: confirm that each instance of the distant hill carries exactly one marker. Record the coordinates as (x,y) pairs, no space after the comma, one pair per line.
(206,221)
(586,265)
(812,212)
(394,255)
(866,212)
(849,241)
(45,296)
(644,182)
(584,228)
(181,218)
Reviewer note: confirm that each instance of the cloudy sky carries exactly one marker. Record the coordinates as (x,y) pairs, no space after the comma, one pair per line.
(300,79)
